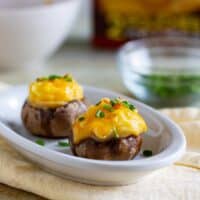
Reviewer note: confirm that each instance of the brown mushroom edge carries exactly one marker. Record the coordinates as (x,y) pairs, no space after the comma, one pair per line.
(115,149)
(52,122)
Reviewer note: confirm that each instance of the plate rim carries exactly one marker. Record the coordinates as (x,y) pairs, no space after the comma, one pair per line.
(166,157)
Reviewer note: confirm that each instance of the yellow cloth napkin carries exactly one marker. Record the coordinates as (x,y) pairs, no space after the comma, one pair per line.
(180,181)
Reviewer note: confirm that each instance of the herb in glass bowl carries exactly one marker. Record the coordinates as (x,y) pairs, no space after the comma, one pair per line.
(172,85)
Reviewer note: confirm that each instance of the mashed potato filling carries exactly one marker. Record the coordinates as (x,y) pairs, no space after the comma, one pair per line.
(54,91)
(109,119)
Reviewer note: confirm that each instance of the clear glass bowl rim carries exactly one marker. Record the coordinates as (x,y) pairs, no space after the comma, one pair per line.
(161,42)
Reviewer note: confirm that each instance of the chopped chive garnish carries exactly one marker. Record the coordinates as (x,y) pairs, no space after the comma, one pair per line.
(128,105)
(100,114)
(116,134)
(147,153)
(68,78)
(40,142)
(81,119)
(131,107)
(108,107)
(114,102)
(63,144)
(125,103)
(42,79)
(98,103)
(53,77)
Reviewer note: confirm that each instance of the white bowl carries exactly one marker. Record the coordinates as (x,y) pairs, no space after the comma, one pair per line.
(31,32)
(164,138)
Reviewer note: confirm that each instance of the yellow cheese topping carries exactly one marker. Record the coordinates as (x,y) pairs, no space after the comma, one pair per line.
(109,119)
(54,91)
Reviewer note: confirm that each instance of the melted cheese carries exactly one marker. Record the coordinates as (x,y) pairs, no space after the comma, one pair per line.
(120,122)
(54,93)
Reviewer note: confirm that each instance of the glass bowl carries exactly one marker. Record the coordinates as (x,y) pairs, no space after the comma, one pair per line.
(162,71)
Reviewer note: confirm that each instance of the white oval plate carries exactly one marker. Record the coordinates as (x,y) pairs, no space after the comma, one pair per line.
(164,138)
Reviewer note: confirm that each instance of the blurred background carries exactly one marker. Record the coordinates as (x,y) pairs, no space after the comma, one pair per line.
(148,49)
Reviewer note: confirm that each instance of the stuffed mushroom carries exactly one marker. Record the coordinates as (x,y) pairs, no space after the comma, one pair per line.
(109,130)
(52,106)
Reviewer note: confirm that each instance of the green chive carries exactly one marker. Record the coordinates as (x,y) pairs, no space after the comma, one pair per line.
(147,153)
(42,79)
(100,114)
(108,107)
(114,102)
(81,118)
(131,107)
(40,142)
(68,78)
(128,105)
(63,144)
(98,103)
(125,103)
(53,77)
(116,134)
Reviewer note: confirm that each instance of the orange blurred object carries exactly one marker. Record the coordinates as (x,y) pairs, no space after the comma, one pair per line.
(116,21)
